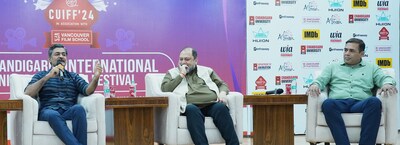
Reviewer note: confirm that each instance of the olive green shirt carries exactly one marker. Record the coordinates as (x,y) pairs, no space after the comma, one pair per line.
(354,82)
(198,91)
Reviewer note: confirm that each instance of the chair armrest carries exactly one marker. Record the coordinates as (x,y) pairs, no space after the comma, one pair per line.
(94,105)
(166,119)
(22,121)
(389,108)
(235,104)
(313,107)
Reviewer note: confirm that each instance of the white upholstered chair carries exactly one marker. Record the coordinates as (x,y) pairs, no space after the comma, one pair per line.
(170,126)
(25,129)
(318,131)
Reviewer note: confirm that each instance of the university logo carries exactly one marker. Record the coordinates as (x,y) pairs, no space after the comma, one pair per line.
(359,4)
(261,66)
(353,18)
(253,20)
(284,2)
(304,49)
(310,34)
(311,65)
(384,62)
(284,79)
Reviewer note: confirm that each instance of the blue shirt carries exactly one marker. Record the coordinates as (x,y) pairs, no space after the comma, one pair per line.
(354,82)
(57,93)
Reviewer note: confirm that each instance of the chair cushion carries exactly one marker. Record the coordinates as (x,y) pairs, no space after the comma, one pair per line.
(183,122)
(43,127)
(350,119)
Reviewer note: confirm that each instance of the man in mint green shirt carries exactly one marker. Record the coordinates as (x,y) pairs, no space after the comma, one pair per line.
(350,83)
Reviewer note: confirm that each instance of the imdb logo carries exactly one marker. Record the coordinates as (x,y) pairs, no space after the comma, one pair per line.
(384,62)
(311,34)
(359,4)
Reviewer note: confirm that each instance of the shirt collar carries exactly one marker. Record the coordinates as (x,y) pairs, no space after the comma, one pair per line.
(362,63)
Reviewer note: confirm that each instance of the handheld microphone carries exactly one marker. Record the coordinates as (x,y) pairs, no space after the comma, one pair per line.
(276,91)
(60,65)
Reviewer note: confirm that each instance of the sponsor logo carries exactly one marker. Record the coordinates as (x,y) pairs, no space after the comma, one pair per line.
(253,20)
(260,48)
(359,35)
(285,17)
(311,20)
(353,18)
(304,49)
(260,3)
(335,5)
(384,62)
(260,36)
(335,37)
(286,66)
(334,19)
(286,36)
(260,83)
(284,79)
(261,66)
(383,48)
(382,5)
(336,49)
(286,51)
(383,19)
(311,65)
(311,34)
(308,80)
(284,2)
(311,6)
(384,34)
(359,4)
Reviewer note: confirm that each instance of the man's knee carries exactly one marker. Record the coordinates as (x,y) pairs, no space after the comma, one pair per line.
(191,108)
(328,104)
(374,102)
(78,110)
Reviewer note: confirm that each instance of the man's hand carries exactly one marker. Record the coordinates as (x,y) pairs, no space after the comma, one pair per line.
(222,97)
(54,71)
(183,70)
(387,88)
(98,70)
(313,90)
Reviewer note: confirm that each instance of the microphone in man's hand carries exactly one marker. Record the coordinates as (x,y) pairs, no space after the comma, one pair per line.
(276,91)
(60,64)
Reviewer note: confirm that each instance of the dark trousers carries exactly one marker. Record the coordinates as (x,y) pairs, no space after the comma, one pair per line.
(371,109)
(56,119)
(195,117)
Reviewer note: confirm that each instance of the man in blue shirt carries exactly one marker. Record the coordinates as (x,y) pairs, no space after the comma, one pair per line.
(58,92)
(350,85)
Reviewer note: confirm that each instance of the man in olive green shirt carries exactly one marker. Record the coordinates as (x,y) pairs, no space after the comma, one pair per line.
(350,83)
(203,94)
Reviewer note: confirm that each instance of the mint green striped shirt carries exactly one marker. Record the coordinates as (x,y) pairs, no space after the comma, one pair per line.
(354,82)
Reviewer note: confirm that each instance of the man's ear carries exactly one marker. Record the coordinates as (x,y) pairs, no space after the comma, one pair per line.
(362,53)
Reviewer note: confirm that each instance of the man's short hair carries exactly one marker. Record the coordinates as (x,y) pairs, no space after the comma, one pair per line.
(54,46)
(361,44)
(194,51)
